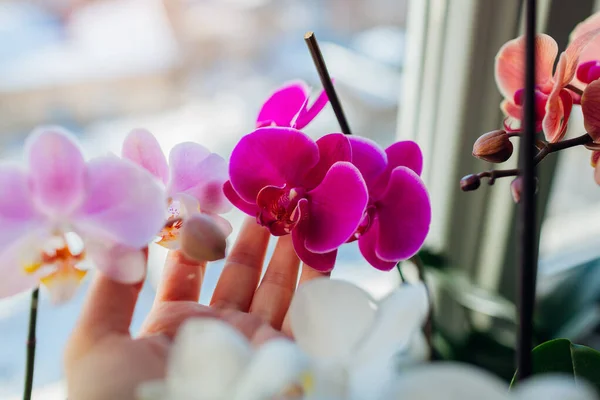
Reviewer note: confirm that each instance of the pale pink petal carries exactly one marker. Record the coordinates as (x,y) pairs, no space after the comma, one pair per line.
(404,214)
(307,114)
(367,244)
(333,147)
(574,50)
(271,157)
(513,113)
(283,105)
(590,106)
(222,223)
(196,171)
(558,110)
(124,203)
(141,147)
(368,157)
(336,208)
(120,263)
(510,63)
(241,204)
(56,170)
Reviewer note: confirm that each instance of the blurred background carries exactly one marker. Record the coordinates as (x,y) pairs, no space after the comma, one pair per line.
(405,69)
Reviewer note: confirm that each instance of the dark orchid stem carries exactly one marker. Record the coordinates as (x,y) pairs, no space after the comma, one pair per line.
(317,56)
(428,328)
(399,268)
(471,182)
(527,263)
(31,339)
(575,89)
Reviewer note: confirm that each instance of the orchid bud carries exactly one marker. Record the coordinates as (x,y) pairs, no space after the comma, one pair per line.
(470,182)
(202,239)
(516,188)
(493,146)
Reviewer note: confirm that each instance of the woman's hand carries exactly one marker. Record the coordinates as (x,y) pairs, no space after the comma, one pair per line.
(103,360)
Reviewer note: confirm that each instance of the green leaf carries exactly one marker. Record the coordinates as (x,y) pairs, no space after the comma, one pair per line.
(562,356)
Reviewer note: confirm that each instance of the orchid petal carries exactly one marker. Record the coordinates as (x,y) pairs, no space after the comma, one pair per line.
(56,170)
(276,366)
(17,212)
(592,50)
(554,387)
(329,317)
(124,203)
(307,114)
(558,111)
(235,199)
(510,63)
(370,160)
(323,262)
(400,154)
(367,243)
(590,106)
(207,358)
(63,284)
(574,50)
(271,157)
(404,214)
(120,263)
(222,223)
(141,147)
(336,208)
(199,173)
(399,316)
(283,105)
(452,380)
(333,147)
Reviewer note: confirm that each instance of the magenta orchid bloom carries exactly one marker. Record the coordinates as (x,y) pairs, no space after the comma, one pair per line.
(60,210)
(553,101)
(193,179)
(288,107)
(294,185)
(398,214)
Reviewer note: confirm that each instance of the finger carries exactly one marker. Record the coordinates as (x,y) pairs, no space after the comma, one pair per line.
(273,296)
(181,279)
(307,275)
(251,326)
(166,318)
(243,267)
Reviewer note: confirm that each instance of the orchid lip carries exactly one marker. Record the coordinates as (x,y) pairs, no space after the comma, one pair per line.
(279,208)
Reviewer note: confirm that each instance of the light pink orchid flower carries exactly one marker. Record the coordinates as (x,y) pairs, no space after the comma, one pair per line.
(59,210)
(588,66)
(193,179)
(553,101)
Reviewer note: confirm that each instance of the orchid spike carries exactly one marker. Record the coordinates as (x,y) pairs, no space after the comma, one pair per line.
(353,339)
(553,101)
(288,107)
(60,210)
(212,360)
(294,185)
(193,179)
(398,214)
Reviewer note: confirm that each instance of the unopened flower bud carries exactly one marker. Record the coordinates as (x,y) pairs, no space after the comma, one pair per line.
(470,182)
(493,146)
(516,188)
(202,239)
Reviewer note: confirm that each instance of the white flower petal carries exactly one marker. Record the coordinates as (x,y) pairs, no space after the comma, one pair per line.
(398,317)
(448,381)
(329,317)
(123,264)
(554,387)
(207,358)
(277,365)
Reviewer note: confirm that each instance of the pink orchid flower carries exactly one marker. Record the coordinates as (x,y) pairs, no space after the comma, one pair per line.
(295,185)
(288,107)
(588,66)
(553,101)
(59,210)
(398,214)
(193,179)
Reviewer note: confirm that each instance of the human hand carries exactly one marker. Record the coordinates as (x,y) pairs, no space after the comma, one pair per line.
(103,360)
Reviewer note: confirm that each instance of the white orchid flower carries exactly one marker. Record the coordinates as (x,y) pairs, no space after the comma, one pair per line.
(455,381)
(211,360)
(352,339)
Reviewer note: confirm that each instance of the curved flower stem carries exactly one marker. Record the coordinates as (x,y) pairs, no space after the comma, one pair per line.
(545,148)
(574,89)
(31,339)
(428,328)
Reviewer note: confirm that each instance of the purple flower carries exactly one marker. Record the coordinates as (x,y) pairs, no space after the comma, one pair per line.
(295,185)
(193,179)
(398,214)
(60,210)
(288,107)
